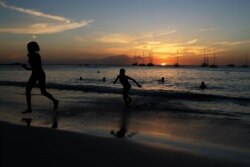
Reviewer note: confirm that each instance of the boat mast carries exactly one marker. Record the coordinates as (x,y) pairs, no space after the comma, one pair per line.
(214,58)
(246,58)
(177,57)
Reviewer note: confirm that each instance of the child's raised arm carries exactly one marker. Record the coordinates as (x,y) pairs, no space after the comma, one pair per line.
(135,82)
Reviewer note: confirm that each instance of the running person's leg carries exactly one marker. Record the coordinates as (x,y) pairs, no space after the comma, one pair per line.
(126,98)
(42,84)
(30,85)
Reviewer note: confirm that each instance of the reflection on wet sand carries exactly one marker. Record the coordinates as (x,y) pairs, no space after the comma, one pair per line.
(121,133)
(55,120)
(28,121)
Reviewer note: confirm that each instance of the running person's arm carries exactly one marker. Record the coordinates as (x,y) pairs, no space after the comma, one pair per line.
(116,79)
(26,67)
(134,81)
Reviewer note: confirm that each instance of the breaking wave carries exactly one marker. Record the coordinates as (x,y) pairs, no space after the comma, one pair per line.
(142,92)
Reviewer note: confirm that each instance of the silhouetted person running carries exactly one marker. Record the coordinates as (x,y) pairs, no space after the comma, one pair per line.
(126,85)
(37,75)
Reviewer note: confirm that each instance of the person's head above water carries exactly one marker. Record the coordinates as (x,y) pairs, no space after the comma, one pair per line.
(122,71)
(33,47)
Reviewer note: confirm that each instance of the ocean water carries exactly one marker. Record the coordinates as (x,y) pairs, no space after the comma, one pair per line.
(233,82)
(174,114)
(228,89)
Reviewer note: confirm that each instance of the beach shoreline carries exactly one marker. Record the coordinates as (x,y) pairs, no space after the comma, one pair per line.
(36,146)
(155,137)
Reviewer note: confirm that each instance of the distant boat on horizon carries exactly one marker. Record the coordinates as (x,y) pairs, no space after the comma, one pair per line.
(245,65)
(205,60)
(135,63)
(214,64)
(176,65)
(177,60)
(150,64)
(230,65)
(204,65)
(142,64)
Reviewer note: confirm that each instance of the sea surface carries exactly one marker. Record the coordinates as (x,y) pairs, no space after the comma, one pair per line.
(225,85)
(174,114)
(227,94)
(233,82)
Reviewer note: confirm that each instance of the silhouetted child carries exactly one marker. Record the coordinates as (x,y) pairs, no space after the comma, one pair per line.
(37,75)
(126,85)
(203,86)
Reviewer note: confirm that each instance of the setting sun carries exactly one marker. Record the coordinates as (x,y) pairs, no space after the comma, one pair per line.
(163,64)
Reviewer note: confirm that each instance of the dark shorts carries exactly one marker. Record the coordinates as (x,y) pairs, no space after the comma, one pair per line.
(37,76)
(126,89)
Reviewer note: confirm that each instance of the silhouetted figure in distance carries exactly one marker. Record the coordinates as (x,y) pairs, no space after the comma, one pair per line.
(162,80)
(37,75)
(126,85)
(104,79)
(203,86)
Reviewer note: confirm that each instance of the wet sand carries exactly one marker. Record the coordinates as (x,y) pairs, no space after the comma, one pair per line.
(35,146)
(163,138)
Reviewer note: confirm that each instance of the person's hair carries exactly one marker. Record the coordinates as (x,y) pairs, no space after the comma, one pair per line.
(33,46)
(122,71)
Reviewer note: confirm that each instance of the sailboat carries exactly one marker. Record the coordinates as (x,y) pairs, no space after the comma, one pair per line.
(142,64)
(177,60)
(230,65)
(150,59)
(245,65)
(135,63)
(214,64)
(205,60)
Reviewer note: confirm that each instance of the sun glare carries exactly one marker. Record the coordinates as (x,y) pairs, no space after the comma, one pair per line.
(163,64)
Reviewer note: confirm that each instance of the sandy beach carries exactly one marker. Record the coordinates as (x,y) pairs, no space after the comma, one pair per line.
(34,146)
(83,138)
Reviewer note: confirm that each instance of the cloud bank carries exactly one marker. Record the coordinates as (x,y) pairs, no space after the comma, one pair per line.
(60,23)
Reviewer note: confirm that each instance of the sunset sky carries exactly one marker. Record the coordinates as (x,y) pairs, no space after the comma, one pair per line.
(78,31)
